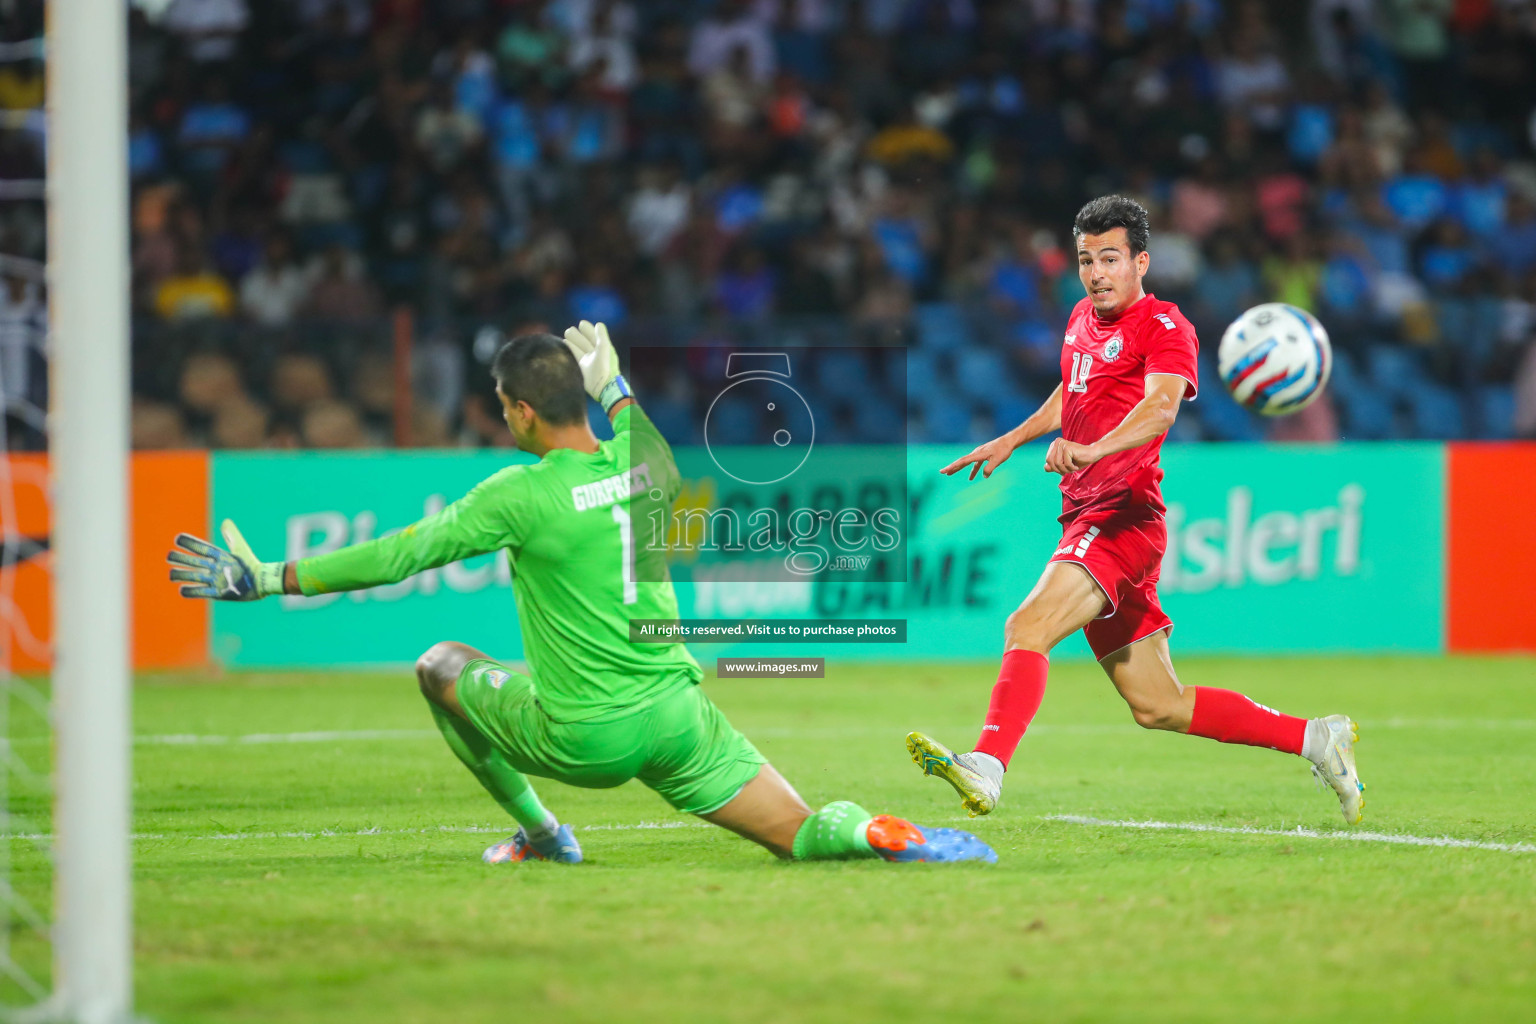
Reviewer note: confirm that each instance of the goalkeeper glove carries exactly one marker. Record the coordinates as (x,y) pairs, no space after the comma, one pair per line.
(233,575)
(593,350)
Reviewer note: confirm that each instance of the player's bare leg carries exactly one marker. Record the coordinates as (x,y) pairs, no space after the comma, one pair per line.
(438,671)
(769,812)
(540,836)
(1143,673)
(1064,600)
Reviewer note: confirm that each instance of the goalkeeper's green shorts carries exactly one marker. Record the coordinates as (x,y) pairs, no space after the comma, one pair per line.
(678,743)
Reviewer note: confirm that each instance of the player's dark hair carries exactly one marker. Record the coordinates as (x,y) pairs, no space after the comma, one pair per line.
(1109,212)
(540,370)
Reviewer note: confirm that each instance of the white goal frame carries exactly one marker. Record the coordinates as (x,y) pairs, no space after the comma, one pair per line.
(88,280)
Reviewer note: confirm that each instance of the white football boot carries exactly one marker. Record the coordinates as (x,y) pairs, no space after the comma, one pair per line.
(977,788)
(1335,765)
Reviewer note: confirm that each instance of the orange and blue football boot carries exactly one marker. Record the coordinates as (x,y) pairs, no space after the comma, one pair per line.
(897,839)
(562,848)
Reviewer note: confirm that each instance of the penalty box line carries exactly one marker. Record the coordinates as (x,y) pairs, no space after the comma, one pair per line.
(1297,833)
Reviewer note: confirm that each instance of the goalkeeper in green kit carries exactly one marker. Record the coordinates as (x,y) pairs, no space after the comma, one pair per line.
(595,710)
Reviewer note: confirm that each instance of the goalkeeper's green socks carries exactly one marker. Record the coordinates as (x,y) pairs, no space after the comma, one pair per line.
(836,832)
(508,787)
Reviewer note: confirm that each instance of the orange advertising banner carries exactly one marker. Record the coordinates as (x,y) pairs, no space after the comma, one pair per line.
(1491,547)
(169,493)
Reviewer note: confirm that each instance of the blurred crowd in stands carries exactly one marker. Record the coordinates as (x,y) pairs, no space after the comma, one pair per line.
(802,172)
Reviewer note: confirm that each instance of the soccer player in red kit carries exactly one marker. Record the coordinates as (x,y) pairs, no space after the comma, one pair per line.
(1127,361)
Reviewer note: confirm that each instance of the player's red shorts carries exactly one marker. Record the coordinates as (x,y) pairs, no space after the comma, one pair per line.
(1122,549)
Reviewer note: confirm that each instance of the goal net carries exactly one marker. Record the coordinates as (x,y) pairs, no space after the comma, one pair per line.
(26,855)
(65,950)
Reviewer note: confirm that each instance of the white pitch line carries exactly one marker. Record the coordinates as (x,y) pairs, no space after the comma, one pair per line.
(767,732)
(325,736)
(1299,833)
(1455,723)
(330,833)
(1074,728)
(1072,819)
(506,829)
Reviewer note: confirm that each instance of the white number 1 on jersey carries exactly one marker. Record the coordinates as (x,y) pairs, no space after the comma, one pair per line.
(1081,363)
(626,552)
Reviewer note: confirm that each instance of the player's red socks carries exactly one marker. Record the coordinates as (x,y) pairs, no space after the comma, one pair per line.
(1015,699)
(1228,717)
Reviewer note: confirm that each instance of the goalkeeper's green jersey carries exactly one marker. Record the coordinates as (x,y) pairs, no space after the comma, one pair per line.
(569,524)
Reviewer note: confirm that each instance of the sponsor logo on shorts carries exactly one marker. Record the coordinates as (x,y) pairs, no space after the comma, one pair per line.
(1082,545)
(496,677)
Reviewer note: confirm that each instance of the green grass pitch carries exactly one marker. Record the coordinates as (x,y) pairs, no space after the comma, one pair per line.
(340,880)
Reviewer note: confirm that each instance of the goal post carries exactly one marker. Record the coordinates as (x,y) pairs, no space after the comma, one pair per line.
(88,427)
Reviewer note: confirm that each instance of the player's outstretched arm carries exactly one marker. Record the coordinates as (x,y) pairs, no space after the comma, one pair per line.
(599,363)
(236,574)
(1148,419)
(987,457)
(478,523)
(482,521)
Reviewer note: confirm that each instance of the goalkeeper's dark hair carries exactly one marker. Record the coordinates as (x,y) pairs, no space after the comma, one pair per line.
(540,370)
(1109,212)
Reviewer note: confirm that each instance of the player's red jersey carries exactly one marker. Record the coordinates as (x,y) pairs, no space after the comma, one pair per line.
(1104,365)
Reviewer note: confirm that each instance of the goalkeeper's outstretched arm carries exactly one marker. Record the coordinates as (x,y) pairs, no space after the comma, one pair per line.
(480,522)
(476,524)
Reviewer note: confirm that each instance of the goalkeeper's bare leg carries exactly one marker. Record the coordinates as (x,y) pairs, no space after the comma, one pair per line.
(540,836)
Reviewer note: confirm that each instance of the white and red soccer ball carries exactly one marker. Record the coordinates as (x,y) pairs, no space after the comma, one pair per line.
(1275,358)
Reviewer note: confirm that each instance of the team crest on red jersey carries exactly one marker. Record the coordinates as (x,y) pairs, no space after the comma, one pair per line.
(1113,347)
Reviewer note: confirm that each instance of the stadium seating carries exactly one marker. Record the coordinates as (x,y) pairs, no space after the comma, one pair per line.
(877,419)
(468,199)
(1395,370)
(1495,413)
(733,422)
(1009,412)
(982,375)
(948,420)
(842,372)
(1436,412)
(674,419)
(1224,419)
(1367,416)
(941,327)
